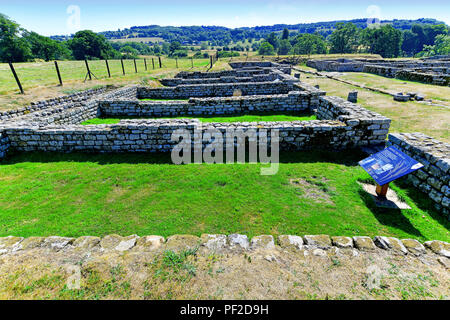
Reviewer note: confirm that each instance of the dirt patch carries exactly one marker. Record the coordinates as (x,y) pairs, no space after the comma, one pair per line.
(201,274)
(315,188)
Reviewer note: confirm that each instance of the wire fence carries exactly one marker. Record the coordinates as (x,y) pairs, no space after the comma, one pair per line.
(28,75)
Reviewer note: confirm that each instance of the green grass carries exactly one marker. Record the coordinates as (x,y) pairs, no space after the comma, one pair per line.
(408,116)
(164,99)
(44,194)
(35,74)
(243,118)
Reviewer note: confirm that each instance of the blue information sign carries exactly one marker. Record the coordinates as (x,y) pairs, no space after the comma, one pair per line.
(389,165)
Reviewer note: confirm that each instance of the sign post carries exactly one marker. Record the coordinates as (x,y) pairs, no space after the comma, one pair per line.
(382,190)
(386,166)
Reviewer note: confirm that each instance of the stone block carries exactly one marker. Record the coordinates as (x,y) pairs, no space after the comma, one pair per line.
(288,241)
(321,241)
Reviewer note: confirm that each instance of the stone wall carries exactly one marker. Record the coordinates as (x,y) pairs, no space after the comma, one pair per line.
(215,90)
(4,144)
(383,71)
(426,71)
(260,64)
(232,242)
(433,78)
(434,178)
(68,101)
(173,82)
(344,125)
(367,127)
(220,74)
(293,101)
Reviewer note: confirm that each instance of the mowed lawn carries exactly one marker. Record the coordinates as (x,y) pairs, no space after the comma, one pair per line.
(313,193)
(406,116)
(241,118)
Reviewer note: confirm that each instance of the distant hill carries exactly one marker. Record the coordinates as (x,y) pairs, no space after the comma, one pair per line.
(222,36)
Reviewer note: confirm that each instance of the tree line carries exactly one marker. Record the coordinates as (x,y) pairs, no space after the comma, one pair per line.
(19,45)
(385,40)
(222,36)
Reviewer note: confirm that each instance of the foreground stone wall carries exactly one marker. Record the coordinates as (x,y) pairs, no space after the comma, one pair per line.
(155,135)
(288,267)
(434,178)
(294,101)
(220,242)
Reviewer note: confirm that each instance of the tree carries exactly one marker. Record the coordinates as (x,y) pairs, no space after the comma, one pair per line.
(174,46)
(13,47)
(46,48)
(285,47)
(385,41)
(345,39)
(441,47)
(129,52)
(410,43)
(285,34)
(273,40)
(87,45)
(266,49)
(165,48)
(420,36)
(309,44)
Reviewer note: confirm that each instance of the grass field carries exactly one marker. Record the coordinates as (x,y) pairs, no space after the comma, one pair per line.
(406,116)
(313,193)
(243,118)
(439,94)
(40,80)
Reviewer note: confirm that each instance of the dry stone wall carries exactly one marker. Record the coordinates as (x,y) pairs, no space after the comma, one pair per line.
(293,101)
(368,128)
(4,144)
(215,90)
(434,71)
(434,178)
(226,73)
(242,65)
(341,125)
(318,244)
(68,101)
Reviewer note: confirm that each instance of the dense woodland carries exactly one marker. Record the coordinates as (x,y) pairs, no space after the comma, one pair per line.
(397,38)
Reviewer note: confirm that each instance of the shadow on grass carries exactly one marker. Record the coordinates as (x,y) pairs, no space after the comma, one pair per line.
(422,201)
(349,158)
(389,217)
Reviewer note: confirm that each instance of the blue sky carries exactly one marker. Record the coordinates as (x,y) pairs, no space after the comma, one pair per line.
(50,17)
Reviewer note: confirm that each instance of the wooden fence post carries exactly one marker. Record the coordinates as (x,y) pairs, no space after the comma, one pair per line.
(211,61)
(135,67)
(16,77)
(160,64)
(176,62)
(145,64)
(88,71)
(153,63)
(107,68)
(59,75)
(123,68)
